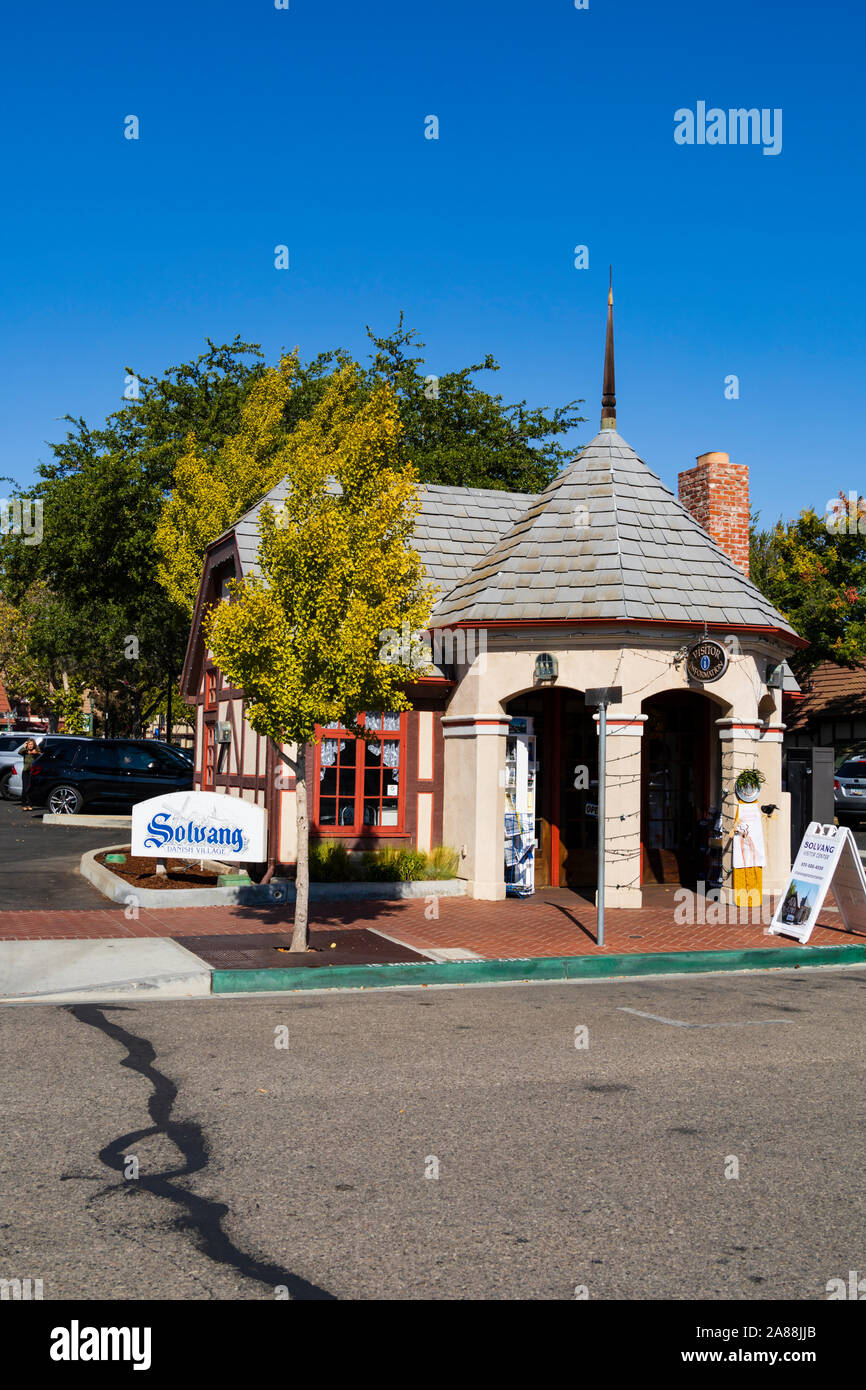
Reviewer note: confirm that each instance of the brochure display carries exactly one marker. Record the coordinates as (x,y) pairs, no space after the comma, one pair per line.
(827,857)
(520,777)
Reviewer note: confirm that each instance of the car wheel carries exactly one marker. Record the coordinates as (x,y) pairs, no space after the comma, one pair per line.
(64,800)
(4,786)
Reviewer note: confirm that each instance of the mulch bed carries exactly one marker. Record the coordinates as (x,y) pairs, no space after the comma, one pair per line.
(138,871)
(255,951)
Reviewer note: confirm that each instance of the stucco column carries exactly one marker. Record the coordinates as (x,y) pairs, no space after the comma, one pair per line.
(622,822)
(474,810)
(747,745)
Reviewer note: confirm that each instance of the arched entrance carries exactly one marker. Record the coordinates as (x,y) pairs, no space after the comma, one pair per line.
(680,780)
(566,798)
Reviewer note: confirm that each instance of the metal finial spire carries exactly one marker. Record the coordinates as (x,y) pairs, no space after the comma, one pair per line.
(608,390)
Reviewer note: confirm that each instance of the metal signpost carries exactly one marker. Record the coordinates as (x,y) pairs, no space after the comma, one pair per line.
(602,696)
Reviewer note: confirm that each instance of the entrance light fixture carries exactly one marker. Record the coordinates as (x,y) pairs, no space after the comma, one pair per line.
(546,669)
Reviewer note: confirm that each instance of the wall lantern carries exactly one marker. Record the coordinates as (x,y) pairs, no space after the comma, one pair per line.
(776,677)
(546,669)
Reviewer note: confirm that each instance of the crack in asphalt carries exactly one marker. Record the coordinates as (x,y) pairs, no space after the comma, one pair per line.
(201,1214)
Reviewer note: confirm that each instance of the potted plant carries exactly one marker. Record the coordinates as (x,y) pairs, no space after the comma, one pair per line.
(748,784)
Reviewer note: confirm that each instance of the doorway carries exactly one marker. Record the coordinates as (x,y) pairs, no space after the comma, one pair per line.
(675,785)
(566,814)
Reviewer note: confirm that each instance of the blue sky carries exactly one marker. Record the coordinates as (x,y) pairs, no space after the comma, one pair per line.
(305,126)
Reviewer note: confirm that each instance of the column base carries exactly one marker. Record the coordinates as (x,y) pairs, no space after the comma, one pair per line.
(622,897)
(484,891)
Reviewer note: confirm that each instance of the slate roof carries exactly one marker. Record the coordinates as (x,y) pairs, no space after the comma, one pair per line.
(605,540)
(456,527)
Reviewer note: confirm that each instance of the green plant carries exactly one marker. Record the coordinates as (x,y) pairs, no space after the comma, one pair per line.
(750,778)
(411,864)
(442,862)
(330,863)
(385,865)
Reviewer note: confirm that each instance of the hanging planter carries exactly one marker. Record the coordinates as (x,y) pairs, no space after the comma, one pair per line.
(748,785)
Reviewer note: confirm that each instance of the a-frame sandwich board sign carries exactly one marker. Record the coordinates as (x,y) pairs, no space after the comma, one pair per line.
(828,855)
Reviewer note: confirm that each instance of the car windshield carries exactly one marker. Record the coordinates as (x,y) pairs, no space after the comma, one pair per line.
(855,767)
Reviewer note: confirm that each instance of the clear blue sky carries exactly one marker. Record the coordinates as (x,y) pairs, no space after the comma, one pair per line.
(306,127)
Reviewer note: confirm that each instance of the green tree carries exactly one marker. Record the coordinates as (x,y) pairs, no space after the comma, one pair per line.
(454,432)
(109,619)
(211,490)
(30,668)
(166,464)
(814,572)
(304,638)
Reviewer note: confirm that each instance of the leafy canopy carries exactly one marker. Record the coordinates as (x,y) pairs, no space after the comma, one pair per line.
(304,637)
(815,574)
(212,489)
(102,493)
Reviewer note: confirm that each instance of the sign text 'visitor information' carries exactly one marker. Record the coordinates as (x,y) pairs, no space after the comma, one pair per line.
(200,825)
(706,660)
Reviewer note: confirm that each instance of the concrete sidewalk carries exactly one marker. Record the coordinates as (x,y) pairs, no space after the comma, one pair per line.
(60,972)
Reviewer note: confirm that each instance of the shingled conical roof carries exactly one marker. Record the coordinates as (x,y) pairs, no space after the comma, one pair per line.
(607,540)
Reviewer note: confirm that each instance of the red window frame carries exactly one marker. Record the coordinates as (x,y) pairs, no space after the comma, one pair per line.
(210,689)
(359,789)
(208,759)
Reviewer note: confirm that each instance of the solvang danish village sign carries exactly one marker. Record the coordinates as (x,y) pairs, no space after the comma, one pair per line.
(200,825)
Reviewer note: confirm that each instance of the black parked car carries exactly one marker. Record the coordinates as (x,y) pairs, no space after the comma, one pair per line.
(78,772)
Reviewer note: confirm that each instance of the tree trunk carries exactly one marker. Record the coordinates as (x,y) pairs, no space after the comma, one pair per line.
(301,929)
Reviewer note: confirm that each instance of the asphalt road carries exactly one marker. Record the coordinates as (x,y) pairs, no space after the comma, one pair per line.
(39,863)
(558,1166)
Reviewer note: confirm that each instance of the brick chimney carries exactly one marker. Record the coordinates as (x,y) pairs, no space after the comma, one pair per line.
(716,492)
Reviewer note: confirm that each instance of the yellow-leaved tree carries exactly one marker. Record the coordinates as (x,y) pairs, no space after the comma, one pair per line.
(306,637)
(210,491)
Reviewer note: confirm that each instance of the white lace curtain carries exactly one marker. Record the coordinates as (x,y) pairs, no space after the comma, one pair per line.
(386,722)
(329,754)
(392,752)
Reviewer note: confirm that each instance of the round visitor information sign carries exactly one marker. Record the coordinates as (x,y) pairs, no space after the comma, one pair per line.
(706,660)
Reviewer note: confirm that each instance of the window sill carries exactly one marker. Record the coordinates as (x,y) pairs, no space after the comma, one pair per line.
(368,832)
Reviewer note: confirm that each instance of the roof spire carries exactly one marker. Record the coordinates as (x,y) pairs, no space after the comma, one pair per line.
(608,390)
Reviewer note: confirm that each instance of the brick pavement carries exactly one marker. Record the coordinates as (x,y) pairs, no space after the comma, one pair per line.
(554,924)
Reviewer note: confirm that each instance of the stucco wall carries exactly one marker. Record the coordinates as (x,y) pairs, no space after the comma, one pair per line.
(475,748)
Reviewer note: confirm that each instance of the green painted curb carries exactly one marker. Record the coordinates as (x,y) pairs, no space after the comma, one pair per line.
(476,972)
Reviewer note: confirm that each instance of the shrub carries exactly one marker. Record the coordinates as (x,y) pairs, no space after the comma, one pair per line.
(382,865)
(411,864)
(442,862)
(330,863)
